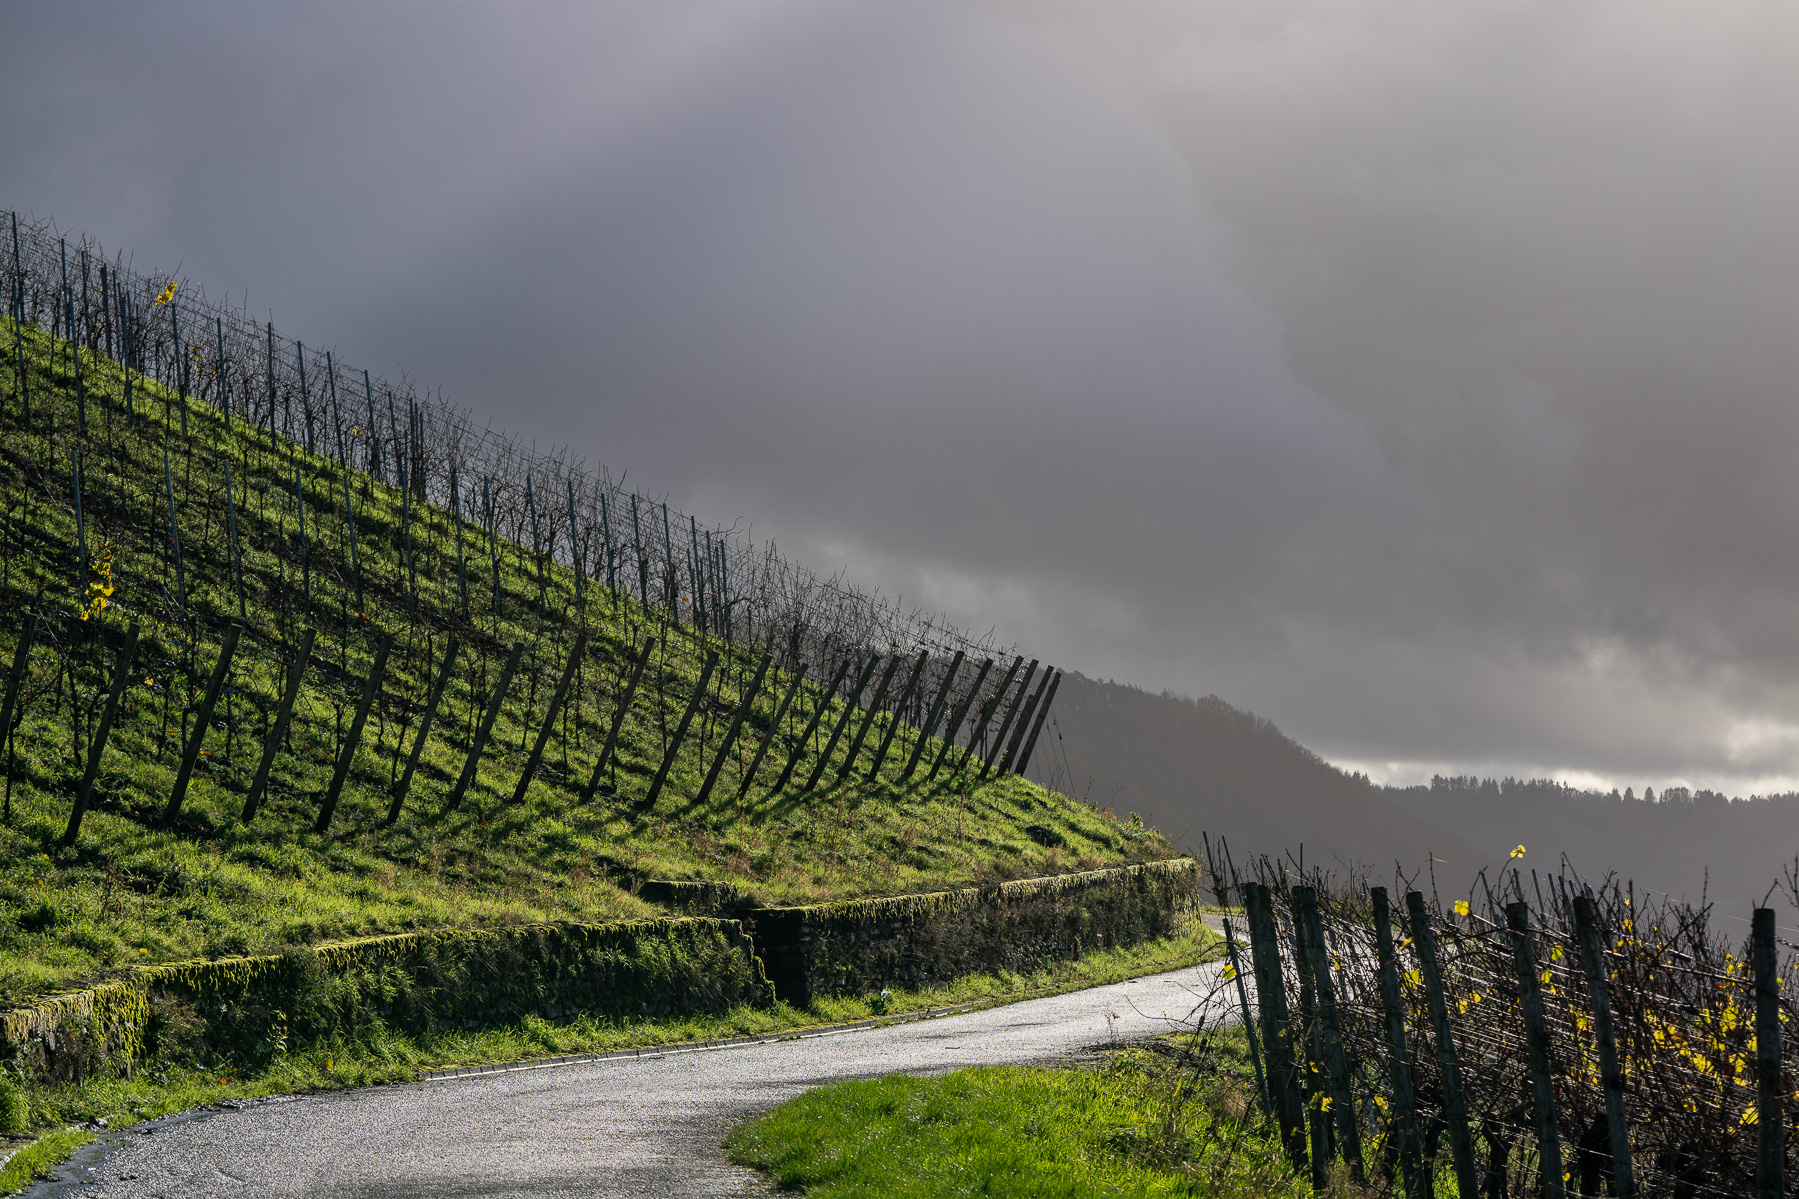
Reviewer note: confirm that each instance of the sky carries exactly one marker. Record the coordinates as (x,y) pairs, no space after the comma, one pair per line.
(1418,376)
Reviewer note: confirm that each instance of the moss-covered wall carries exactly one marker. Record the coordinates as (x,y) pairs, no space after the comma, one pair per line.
(865,944)
(251,1009)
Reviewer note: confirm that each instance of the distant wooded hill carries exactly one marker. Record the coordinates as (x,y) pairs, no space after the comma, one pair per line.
(1188,765)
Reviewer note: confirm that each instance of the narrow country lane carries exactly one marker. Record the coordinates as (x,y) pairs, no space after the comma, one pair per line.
(647,1126)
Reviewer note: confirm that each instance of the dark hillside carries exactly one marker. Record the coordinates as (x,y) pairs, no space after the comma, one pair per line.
(1188,765)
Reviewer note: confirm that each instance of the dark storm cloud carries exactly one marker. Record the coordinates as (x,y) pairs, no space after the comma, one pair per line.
(1420,377)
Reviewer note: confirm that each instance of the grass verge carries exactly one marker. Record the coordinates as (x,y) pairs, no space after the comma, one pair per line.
(381,1055)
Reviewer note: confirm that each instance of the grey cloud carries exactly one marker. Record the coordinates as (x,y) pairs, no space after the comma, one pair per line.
(1416,376)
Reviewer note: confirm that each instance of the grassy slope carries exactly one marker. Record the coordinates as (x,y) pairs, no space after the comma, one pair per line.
(134,890)
(1136,1123)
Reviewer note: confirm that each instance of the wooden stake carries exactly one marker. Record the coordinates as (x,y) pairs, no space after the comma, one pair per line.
(674,745)
(1024,718)
(278,733)
(1455,1104)
(418,745)
(899,709)
(1249,1024)
(121,671)
(618,720)
(818,711)
(743,711)
(1277,1027)
(1611,1075)
(955,721)
(549,720)
(485,728)
(190,757)
(1311,932)
(1536,1041)
(930,720)
(371,687)
(1399,1057)
(774,726)
(874,706)
(1770,1121)
(1030,745)
(1005,726)
(849,711)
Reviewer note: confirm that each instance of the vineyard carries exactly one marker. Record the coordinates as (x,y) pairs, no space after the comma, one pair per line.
(1554,1039)
(297,652)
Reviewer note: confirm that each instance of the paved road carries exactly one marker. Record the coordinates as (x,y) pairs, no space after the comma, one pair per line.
(624,1127)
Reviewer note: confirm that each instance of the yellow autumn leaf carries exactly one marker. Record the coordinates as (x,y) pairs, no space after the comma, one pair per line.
(1519,852)
(1461,907)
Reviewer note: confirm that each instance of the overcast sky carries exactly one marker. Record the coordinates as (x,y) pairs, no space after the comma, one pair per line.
(1421,376)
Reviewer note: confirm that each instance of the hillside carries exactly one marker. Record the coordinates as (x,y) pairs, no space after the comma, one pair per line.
(193,520)
(1681,842)
(1190,765)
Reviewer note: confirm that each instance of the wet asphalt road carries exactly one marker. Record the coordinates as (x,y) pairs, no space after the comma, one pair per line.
(626,1127)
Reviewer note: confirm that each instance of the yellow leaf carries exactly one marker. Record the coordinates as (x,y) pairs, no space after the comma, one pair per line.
(1230,972)
(1519,852)
(1461,907)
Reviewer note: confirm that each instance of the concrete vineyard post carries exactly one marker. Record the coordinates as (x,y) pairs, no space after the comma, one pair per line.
(819,709)
(278,731)
(899,709)
(418,745)
(931,715)
(774,727)
(190,757)
(1611,1075)
(1005,726)
(1536,1042)
(742,713)
(371,687)
(1399,1058)
(618,720)
(1249,1024)
(1311,920)
(1455,1104)
(1030,745)
(121,671)
(874,706)
(956,717)
(1277,1027)
(485,728)
(849,711)
(549,719)
(1770,1123)
(674,744)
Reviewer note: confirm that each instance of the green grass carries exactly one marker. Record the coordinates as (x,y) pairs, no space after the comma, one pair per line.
(383,1055)
(1137,1123)
(40,1156)
(135,889)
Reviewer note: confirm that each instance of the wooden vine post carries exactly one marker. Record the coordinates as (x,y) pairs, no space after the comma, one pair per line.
(774,727)
(485,728)
(957,716)
(371,687)
(418,746)
(278,732)
(818,713)
(1336,1060)
(121,672)
(1455,1104)
(899,708)
(549,720)
(849,710)
(1277,1026)
(743,711)
(1611,1074)
(190,757)
(1249,1024)
(1536,1044)
(618,719)
(868,718)
(931,715)
(1770,1123)
(1009,762)
(674,744)
(1030,745)
(1399,1058)
(1005,725)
